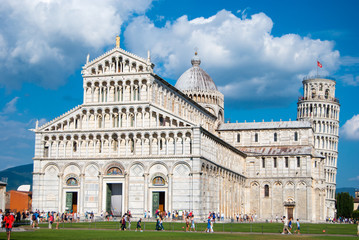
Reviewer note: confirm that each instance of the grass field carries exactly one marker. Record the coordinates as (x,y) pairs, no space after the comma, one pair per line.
(306,228)
(76,234)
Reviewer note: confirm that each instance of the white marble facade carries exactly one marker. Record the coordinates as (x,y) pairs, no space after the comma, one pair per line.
(139,143)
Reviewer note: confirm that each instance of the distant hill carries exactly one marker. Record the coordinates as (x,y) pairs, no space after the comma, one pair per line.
(349,190)
(17,176)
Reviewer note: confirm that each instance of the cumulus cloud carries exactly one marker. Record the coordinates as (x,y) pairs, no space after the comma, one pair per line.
(350,130)
(245,60)
(43,41)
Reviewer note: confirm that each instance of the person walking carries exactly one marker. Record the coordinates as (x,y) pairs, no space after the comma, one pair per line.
(298,227)
(192,224)
(139,225)
(285,226)
(51,220)
(8,220)
(187,224)
(123,224)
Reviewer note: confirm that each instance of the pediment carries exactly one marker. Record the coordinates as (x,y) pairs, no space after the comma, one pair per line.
(117,61)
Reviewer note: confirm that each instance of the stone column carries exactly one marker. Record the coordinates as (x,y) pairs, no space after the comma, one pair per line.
(100,193)
(126,192)
(170,191)
(60,200)
(145,197)
(82,193)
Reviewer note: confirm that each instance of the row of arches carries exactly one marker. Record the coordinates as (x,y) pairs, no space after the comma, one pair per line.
(86,145)
(116,91)
(318,110)
(322,90)
(116,64)
(330,158)
(325,142)
(330,175)
(205,97)
(326,127)
(114,117)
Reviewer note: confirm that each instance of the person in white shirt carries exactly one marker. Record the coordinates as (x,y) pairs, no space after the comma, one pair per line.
(285,226)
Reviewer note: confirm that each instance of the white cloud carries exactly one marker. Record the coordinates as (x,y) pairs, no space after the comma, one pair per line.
(350,79)
(10,107)
(43,41)
(245,60)
(354,178)
(350,130)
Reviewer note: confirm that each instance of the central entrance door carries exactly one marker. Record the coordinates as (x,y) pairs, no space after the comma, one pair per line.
(71,201)
(290,212)
(158,202)
(114,198)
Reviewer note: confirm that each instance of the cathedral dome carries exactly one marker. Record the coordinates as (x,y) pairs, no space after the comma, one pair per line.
(195,78)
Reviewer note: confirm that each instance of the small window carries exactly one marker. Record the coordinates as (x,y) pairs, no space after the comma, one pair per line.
(238,137)
(266,190)
(74,146)
(286,162)
(275,162)
(296,136)
(162,122)
(161,144)
(298,161)
(275,137)
(256,137)
(327,94)
(315,163)
(46,151)
(263,162)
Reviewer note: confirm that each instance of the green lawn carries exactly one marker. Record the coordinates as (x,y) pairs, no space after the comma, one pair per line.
(112,234)
(306,228)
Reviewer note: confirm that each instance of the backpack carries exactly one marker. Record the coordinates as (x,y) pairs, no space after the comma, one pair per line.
(33,218)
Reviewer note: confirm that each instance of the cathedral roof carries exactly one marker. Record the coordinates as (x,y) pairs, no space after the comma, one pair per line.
(195,78)
(264,125)
(282,150)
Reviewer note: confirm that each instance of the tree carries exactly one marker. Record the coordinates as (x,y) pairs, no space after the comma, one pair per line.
(356,214)
(345,205)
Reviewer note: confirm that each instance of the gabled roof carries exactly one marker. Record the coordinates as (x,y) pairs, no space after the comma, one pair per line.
(264,125)
(58,118)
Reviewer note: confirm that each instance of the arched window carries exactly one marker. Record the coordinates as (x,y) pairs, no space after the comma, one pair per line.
(71,182)
(74,146)
(114,171)
(238,137)
(275,162)
(256,137)
(275,137)
(158,181)
(266,190)
(313,93)
(327,94)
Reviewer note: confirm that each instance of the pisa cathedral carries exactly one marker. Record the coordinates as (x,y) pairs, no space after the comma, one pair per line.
(138,143)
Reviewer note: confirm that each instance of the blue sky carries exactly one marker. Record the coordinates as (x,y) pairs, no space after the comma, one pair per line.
(256,51)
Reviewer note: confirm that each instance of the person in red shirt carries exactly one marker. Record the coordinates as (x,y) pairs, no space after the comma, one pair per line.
(8,220)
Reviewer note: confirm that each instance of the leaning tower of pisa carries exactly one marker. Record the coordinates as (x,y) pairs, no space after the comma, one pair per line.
(320,106)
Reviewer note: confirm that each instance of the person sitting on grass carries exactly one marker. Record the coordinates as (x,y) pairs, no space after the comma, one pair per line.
(298,227)
(139,225)
(285,226)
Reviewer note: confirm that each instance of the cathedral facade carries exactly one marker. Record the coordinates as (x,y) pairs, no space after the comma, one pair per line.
(138,143)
